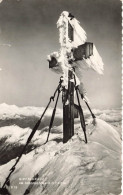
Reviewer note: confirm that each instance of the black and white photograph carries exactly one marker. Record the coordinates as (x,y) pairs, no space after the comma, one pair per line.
(60,97)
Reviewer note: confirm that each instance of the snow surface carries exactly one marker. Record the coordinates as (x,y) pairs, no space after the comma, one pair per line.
(62,169)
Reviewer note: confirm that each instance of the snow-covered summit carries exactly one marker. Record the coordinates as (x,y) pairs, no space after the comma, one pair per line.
(74,167)
(71,168)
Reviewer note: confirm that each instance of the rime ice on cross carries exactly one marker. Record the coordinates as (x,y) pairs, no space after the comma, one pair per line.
(74,54)
(74,48)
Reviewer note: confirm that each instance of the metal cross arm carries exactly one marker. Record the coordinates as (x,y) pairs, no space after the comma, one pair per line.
(82,51)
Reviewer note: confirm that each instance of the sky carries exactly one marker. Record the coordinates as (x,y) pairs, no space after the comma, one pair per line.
(28,34)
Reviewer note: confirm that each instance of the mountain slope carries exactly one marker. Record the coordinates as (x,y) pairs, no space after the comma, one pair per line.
(71,168)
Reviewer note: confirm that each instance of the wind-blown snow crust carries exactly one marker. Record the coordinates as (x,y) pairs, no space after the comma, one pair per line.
(63,169)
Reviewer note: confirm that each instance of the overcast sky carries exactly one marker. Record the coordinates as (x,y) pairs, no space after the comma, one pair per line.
(28,34)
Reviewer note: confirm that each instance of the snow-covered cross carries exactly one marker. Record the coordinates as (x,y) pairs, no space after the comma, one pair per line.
(74,51)
(74,55)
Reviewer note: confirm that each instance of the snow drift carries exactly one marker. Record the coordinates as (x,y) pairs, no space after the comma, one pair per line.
(62,169)
(56,168)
